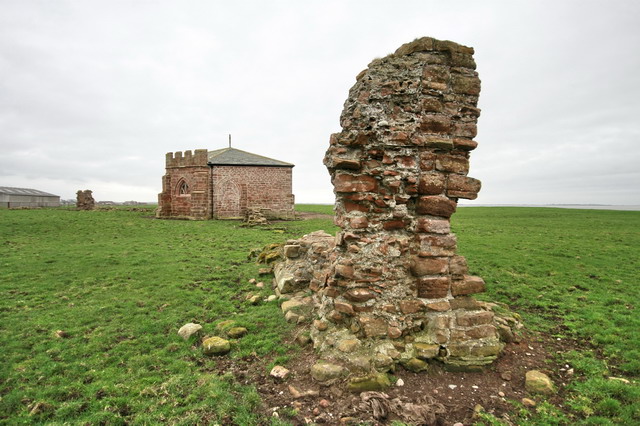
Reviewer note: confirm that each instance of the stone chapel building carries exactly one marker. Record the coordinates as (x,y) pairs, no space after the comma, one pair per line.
(224,184)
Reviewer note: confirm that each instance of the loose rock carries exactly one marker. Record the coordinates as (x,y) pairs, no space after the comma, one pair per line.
(538,382)
(279,372)
(216,346)
(189,330)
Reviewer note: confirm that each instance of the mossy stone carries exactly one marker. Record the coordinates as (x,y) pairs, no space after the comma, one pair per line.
(372,382)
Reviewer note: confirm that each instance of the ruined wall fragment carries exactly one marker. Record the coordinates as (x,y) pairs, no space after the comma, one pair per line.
(398,168)
(84,200)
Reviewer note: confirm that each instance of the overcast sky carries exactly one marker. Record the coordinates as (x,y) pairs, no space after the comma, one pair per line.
(94,93)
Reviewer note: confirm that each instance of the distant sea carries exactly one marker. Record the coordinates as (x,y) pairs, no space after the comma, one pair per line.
(561,206)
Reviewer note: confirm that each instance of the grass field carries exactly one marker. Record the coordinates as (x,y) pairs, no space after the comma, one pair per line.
(118,285)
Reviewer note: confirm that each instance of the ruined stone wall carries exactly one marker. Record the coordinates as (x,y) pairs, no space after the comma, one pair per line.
(398,167)
(84,200)
(186,191)
(237,188)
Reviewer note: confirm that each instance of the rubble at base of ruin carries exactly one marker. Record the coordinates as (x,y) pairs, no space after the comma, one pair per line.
(390,288)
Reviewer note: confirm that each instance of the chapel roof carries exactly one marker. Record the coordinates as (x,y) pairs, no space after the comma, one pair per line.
(237,157)
(8,190)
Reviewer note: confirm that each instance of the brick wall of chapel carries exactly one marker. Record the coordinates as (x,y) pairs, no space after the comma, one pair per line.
(237,188)
(193,170)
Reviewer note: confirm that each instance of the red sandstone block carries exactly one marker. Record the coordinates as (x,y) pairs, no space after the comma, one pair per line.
(359,222)
(465,85)
(354,183)
(452,164)
(421,266)
(354,207)
(436,245)
(473,318)
(458,266)
(411,306)
(427,161)
(431,184)
(465,130)
(464,144)
(392,225)
(436,226)
(360,295)
(373,327)
(433,287)
(481,332)
(459,186)
(344,308)
(468,285)
(345,271)
(441,306)
(435,206)
(438,124)
(432,105)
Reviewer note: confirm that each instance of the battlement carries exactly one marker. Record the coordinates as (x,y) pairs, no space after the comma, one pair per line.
(187,158)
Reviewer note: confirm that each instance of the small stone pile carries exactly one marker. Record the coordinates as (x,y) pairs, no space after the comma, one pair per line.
(84,200)
(391,288)
(256,216)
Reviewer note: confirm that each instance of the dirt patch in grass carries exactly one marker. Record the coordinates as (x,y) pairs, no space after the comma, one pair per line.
(495,389)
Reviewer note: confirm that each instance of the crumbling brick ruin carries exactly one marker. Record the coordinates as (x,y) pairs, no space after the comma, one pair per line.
(393,288)
(84,200)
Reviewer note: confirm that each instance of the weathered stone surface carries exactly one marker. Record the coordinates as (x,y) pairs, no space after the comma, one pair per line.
(372,382)
(399,166)
(538,382)
(189,330)
(435,206)
(279,372)
(468,285)
(429,266)
(237,332)
(416,365)
(354,183)
(216,346)
(325,371)
(291,251)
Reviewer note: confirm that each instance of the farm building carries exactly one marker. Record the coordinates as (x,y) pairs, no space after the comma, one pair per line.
(26,197)
(224,184)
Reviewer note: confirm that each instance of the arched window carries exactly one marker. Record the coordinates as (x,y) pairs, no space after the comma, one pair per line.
(183,188)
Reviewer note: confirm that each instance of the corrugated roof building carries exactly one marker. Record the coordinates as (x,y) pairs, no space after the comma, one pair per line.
(223,184)
(11,197)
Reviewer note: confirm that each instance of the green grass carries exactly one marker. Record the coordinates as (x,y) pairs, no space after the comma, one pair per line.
(120,284)
(570,274)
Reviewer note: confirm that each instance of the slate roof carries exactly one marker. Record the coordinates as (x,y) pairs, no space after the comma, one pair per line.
(236,157)
(8,190)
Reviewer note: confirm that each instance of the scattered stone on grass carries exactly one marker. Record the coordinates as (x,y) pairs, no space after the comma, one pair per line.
(619,379)
(61,334)
(224,326)
(279,372)
(237,332)
(254,300)
(538,382)
(527,402)
(216,346)
(189,330)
